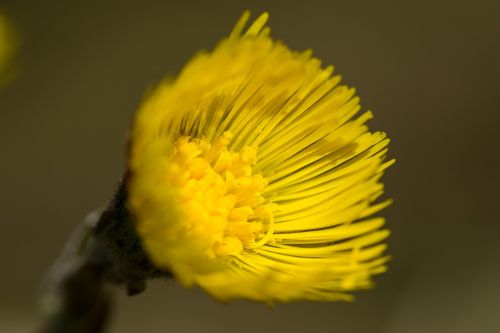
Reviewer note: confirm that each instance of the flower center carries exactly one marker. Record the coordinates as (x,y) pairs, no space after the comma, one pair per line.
(219,196)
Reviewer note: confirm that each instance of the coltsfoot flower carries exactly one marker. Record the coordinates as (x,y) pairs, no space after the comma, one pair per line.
(252,176)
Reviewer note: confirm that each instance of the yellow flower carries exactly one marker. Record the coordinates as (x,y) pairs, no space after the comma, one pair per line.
(250,176)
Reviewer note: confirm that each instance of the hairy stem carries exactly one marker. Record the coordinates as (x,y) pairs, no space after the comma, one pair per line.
(103,251)
(78,298)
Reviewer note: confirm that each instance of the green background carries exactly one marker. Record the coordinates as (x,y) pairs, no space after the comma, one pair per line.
(428,69)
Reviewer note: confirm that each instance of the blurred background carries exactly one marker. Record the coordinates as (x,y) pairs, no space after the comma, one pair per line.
(429,70)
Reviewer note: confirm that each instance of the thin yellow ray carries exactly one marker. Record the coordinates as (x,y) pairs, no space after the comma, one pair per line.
(326,250)
(331,234)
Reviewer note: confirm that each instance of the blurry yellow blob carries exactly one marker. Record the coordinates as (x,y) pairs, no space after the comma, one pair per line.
(6,50)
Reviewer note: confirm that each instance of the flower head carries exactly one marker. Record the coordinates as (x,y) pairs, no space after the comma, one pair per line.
(251,177)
